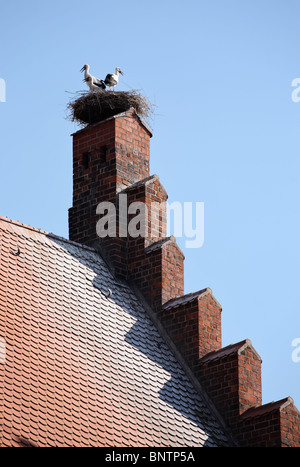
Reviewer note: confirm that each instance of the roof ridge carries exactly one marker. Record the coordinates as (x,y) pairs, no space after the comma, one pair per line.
(45,233)
(20,224)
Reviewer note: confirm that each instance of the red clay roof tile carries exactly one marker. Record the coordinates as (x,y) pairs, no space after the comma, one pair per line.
(82,369)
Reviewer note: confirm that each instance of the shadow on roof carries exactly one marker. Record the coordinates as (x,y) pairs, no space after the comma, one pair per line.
(151,367)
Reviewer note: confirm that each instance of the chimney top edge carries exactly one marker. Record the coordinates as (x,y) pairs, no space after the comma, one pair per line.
(237,349)
(162,243)
(114,117)
(145,181)
(279,405)
(183,300)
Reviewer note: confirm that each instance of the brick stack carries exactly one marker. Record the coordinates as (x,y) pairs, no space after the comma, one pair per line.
(107,157)
(111,164)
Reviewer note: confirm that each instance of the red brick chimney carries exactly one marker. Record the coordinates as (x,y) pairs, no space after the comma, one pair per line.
(111,165)
(107,157)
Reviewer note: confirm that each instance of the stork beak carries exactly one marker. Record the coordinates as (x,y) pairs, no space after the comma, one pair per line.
(121,72)
(83,68)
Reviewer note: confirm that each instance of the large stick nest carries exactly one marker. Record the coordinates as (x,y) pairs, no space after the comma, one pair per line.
(92,107)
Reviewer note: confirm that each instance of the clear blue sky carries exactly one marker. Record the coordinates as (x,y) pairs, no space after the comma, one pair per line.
(226,133)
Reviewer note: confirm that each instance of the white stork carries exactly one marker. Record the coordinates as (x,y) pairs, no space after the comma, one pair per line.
(93,83)
(112,80)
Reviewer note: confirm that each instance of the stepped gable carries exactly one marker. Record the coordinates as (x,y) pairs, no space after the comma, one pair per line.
(154,265)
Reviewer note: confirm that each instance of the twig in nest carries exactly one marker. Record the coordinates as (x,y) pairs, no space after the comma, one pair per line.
(92,107)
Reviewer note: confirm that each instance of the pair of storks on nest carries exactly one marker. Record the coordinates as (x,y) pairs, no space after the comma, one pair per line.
(96,84)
